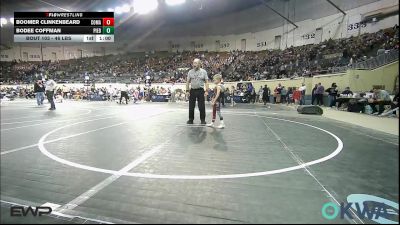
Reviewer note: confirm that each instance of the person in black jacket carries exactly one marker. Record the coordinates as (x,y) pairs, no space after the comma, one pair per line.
(332,94)
(313,95)
(39,89)
(289,96)
(253,95)
(266,92)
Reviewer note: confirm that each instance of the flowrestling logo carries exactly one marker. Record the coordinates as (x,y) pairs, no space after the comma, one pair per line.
(374,208)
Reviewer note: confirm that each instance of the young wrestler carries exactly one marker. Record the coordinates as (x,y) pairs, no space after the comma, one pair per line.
(216,101)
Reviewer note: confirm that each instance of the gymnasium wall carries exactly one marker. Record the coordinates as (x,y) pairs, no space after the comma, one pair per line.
(385,76)
(357,80)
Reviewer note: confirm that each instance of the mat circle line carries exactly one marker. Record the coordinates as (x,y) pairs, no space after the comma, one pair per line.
(339,148)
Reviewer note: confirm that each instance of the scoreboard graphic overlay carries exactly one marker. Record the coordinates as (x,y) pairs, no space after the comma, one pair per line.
(63,26)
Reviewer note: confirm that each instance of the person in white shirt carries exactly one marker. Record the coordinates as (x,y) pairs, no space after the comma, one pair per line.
(172,89)
(64,90)
(114,95)
(303,89)
(260,94)
(142,94)
(109,94)
(50,88)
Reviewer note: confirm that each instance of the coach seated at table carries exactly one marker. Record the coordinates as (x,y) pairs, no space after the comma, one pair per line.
(346,93)
(380,98)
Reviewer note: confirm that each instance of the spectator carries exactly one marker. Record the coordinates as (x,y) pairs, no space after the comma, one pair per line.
(277,93)
(380,99)
(253,95)
(65,91)
(283,94)
(266,92)
(232,95)
(319,94)
(296,96)
(234,66)
(259,94)
(395,104)
(39,89)
(302,90)
(289,96)
(332,94)
(50,88)
(313,94)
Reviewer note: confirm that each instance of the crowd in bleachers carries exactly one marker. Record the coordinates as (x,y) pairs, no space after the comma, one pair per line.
(247,93)
(112,92)
(307,60)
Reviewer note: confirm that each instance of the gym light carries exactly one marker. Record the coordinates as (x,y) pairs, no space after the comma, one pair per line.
(126,8)
(144,6)
(174,2)
(110,10)
(3,21)
(118,10)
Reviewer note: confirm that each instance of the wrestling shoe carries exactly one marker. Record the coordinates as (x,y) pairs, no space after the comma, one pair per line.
(189,122)
(210,124)
(221,125)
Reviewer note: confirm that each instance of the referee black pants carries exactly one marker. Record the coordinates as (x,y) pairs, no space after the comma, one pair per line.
(124,94)
(197,94)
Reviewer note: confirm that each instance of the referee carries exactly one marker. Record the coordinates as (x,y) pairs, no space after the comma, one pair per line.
(124,94)
(197,77)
